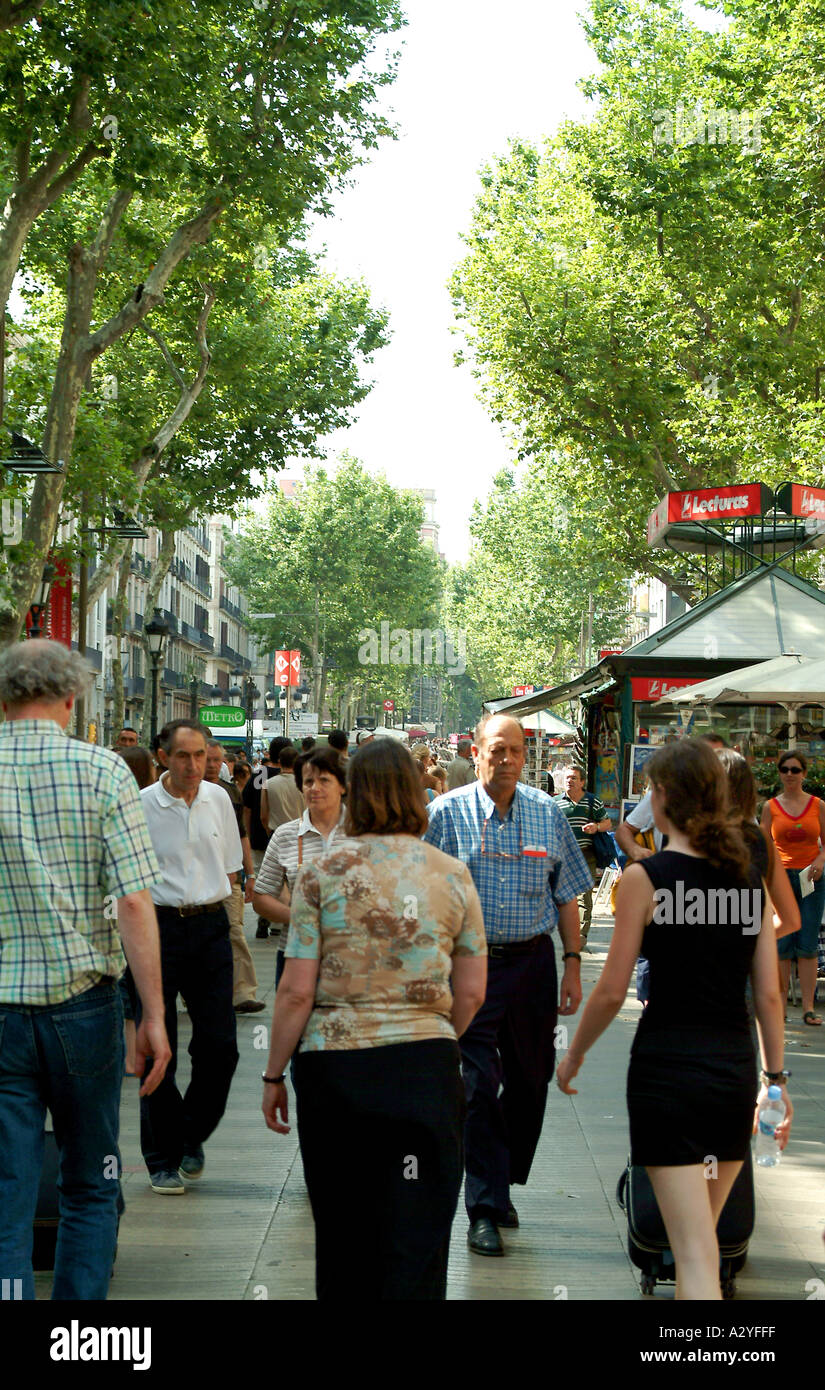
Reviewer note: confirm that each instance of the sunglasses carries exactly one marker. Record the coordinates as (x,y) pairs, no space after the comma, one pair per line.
(785,771)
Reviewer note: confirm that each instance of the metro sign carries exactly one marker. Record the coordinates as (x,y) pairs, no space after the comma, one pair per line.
(707,504)
(644,688)
(389,705)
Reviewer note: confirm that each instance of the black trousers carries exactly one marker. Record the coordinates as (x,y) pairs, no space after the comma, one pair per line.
(507,1057)
(196,962)
(380,1134)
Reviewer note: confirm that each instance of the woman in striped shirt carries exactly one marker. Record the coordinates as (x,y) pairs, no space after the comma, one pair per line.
(323,783)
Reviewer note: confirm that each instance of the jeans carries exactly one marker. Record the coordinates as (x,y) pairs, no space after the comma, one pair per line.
(67,1058)
(196,960)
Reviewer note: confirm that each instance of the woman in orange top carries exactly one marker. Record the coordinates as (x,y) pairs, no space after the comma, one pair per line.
(797,823)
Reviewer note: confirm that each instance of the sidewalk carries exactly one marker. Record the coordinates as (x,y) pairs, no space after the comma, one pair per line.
(245,1230)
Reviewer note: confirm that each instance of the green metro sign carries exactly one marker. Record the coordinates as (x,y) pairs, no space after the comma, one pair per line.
(222,717)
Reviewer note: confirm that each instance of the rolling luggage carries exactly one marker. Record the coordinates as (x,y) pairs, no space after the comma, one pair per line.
(647,1239)
(47,1215)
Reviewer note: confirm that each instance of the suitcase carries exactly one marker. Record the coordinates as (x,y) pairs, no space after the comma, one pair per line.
(647,1239)
(47,1212)
(47,1215)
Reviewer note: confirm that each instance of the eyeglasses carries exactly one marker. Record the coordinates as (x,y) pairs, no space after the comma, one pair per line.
(786,771)
(500,854)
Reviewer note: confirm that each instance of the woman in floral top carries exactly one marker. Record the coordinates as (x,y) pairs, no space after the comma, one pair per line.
(386,966)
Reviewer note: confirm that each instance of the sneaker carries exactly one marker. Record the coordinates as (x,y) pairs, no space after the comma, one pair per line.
(166,1182)
(250,1006)
(192,1165)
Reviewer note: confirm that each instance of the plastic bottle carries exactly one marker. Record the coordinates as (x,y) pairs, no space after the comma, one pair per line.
(771,1113)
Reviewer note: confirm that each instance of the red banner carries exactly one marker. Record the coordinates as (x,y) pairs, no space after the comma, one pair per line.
(707,504)
(610,651)
(60,605)
(648,688)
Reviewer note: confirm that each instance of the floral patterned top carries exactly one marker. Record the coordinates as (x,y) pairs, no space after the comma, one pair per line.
(384,914)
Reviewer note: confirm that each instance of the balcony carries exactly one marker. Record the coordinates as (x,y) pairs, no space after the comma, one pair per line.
(229,654)
(171,620)
(232,609)
(201,535)
(173,679)
(140,565)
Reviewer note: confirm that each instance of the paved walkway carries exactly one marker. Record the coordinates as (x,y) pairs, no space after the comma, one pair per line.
(245,1231)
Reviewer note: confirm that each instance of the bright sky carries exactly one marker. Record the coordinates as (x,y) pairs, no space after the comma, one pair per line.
(473,74)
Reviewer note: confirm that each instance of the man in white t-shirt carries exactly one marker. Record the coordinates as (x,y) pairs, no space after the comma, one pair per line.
(195,836)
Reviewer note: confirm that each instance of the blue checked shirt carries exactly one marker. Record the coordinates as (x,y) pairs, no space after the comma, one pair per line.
(73,839)
(519,894)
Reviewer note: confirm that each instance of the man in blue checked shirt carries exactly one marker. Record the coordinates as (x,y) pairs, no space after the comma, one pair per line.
(529,872)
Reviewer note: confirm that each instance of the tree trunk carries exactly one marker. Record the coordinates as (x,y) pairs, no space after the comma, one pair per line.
(78,350)
(118,615)
(158,574)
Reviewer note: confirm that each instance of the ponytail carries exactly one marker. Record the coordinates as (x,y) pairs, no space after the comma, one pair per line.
(696,801)
(720,840)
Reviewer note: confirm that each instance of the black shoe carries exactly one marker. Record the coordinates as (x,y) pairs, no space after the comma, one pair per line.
(510,1221)
(483,1237)
(262,933)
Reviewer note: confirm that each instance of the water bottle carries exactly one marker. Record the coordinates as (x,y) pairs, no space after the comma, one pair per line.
(771,1113)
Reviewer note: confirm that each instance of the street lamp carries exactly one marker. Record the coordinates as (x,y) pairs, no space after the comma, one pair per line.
(157,632)
(41,600)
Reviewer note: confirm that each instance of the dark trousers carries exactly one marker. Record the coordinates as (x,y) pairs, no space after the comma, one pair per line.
(196,962)
(380,1135)
(509,1048)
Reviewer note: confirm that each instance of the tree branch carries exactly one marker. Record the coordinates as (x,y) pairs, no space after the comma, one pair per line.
(12,15)
(189,234)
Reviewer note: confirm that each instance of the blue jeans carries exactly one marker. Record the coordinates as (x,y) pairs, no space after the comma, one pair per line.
(68,1059)
(804,944)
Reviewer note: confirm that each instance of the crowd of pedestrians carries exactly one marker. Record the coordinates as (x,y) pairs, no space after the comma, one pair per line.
(414,919)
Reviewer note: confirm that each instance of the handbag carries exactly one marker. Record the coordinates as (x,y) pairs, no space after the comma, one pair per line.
(604,846)
(646,840)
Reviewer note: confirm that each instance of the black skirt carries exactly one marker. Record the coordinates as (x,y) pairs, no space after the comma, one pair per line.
(686,1108)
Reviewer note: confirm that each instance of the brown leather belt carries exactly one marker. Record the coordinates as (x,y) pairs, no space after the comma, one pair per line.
(192,911)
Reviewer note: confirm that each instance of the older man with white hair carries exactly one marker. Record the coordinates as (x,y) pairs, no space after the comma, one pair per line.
(76,862)
(528,870)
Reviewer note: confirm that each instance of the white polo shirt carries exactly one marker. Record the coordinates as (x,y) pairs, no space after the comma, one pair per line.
(196,846)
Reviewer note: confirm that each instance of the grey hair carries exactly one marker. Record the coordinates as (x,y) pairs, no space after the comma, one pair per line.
(214,743)
(40,669)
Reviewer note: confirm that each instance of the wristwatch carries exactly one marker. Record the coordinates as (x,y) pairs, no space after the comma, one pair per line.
(273,1080)
(574,954)
(775,1078)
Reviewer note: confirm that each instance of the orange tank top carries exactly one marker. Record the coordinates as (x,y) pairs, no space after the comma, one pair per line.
(796,837)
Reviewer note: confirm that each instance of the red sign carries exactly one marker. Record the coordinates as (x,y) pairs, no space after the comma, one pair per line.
(526,689)
(646,688)
(60,604)
(797,499)
(389,704)
(610,651)
(287,668)
(707,504)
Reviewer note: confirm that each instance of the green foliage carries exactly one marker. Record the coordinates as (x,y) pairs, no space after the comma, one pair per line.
(527,586)
(645,315)
(349,541)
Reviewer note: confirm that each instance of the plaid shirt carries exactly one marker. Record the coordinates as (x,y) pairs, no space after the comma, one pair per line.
(72,834)
(523,865)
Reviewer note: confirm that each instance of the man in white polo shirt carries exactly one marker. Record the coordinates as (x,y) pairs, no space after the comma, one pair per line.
(195,837)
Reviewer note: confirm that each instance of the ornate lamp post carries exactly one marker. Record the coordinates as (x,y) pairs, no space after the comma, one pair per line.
(157,632)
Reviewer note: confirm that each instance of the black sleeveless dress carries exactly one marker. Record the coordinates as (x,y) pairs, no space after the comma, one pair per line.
(692,1082)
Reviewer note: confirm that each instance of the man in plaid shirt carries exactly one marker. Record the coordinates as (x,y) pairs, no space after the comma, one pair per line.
(76,862)
(529,871)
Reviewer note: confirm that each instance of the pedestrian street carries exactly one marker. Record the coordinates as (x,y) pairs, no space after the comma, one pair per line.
(245,1231)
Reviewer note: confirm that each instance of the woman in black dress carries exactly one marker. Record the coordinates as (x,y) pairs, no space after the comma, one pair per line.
(697,911)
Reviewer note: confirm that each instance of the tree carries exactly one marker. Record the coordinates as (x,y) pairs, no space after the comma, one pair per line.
(276,124)
(532,582)
(644,307)
(337,560)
